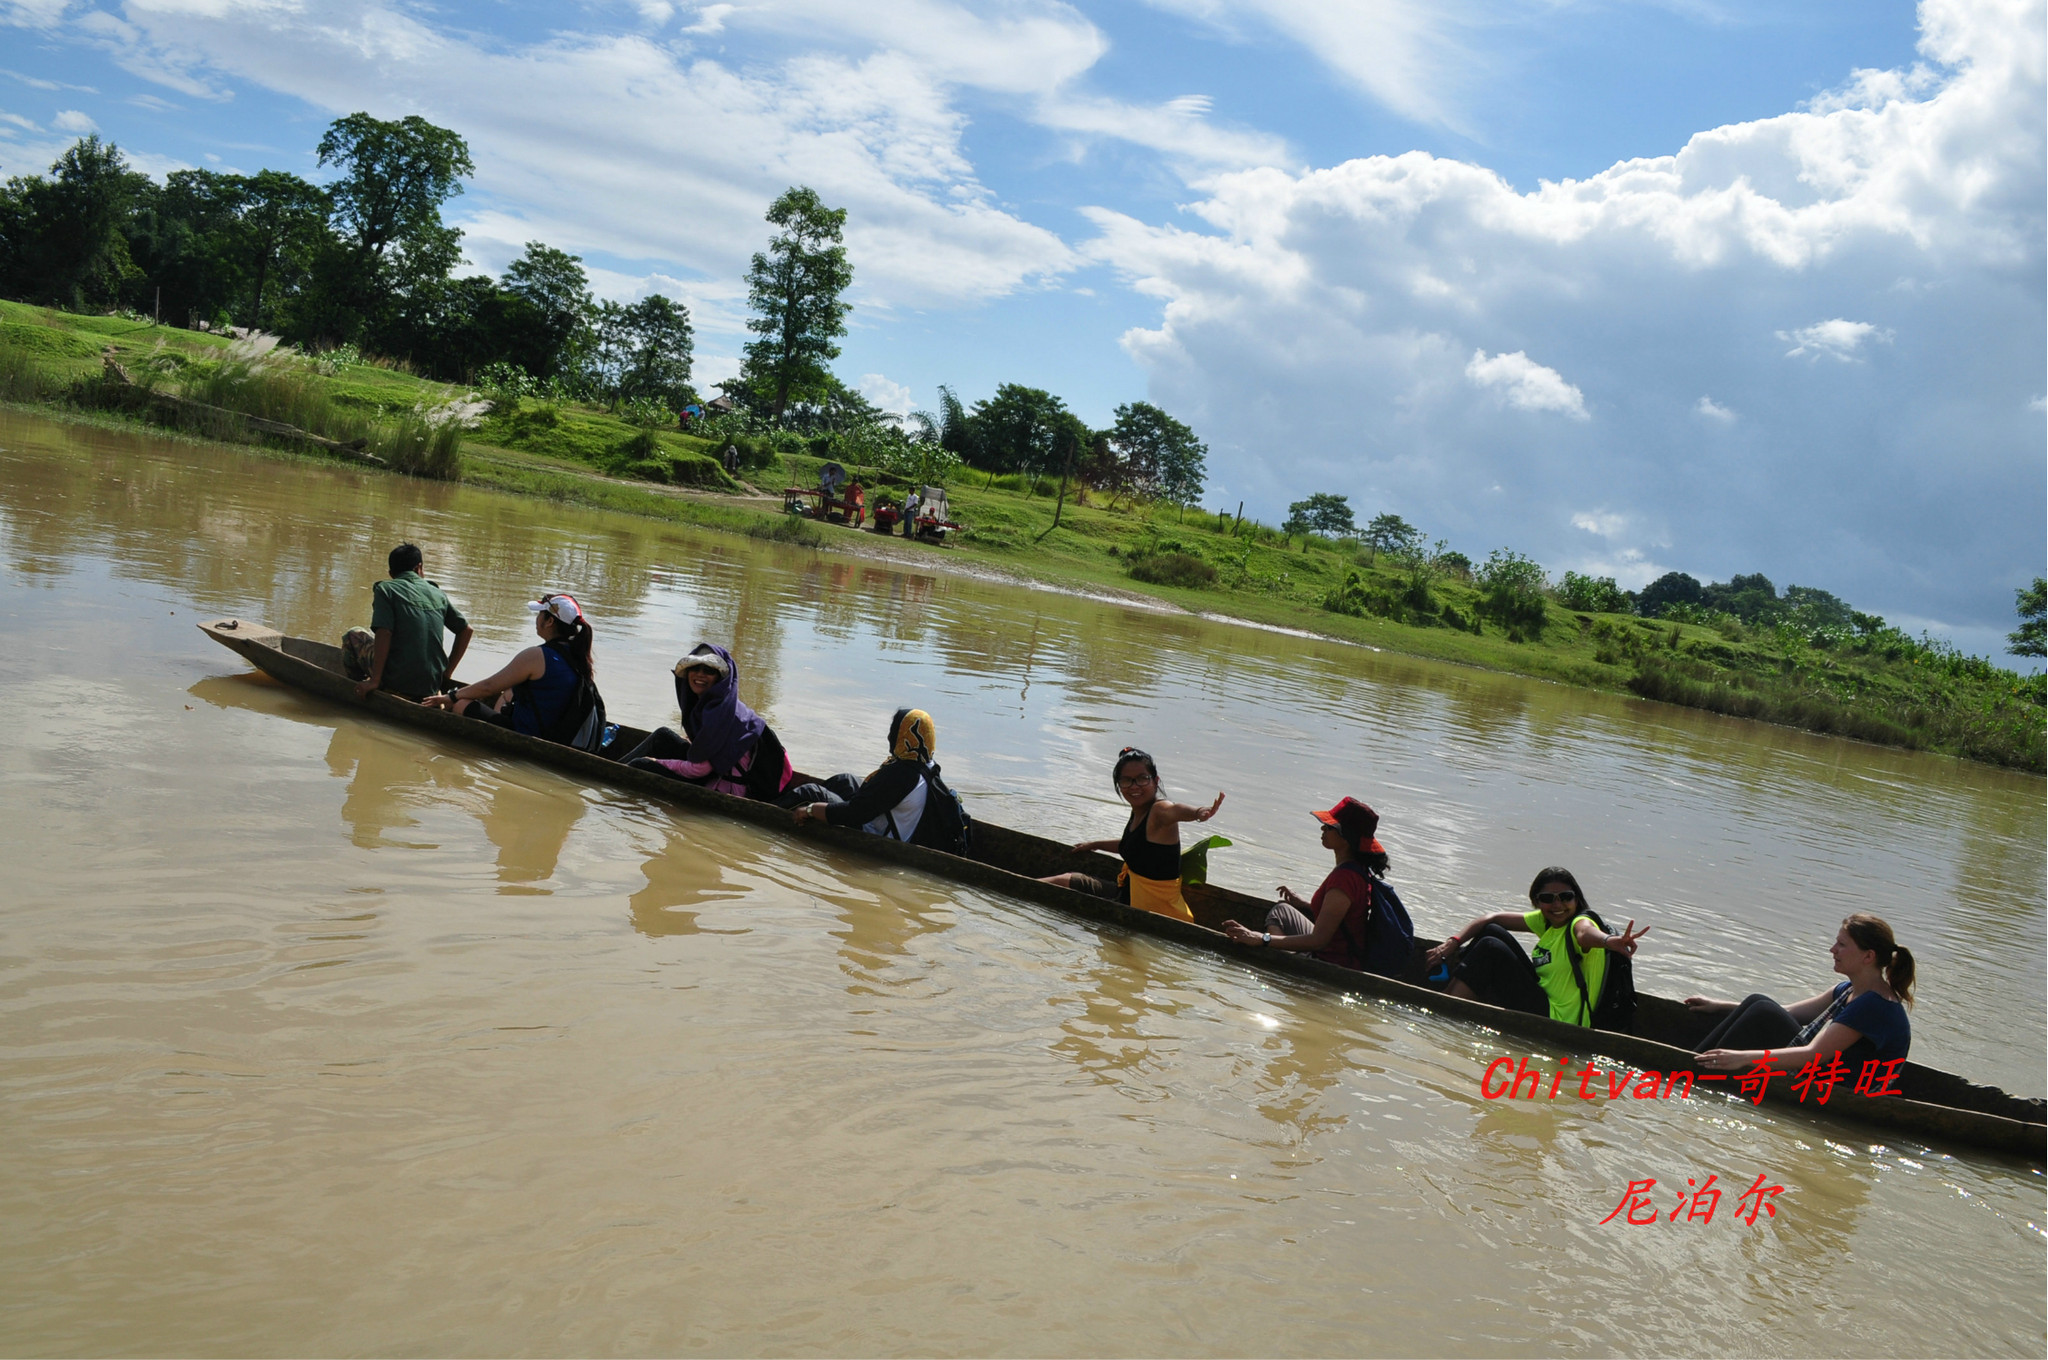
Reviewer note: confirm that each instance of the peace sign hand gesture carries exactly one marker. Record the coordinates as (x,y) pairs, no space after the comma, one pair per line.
(1625,943)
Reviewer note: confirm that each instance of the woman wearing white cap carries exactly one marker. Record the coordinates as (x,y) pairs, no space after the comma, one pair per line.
(549,690)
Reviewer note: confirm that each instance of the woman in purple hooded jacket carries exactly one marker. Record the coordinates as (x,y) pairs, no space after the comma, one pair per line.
(724,745)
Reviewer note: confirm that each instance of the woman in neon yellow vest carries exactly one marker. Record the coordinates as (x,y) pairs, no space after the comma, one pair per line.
(1487,963)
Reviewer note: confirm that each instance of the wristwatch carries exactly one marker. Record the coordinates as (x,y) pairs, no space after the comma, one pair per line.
(1265,937)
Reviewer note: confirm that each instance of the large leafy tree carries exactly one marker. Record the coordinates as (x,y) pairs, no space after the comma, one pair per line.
(795,290)
(1673,587)
(63,239)
(1322,513)
(1020,429)
(283,223)
(1152,454)
(392,249)
(1389,533)
(657,359)
(547,330)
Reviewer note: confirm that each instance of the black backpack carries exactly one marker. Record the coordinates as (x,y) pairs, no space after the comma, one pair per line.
(581,722)
(945,824)
(1616,1010)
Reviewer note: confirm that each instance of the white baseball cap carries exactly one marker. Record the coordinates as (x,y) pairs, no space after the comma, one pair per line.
(563,607)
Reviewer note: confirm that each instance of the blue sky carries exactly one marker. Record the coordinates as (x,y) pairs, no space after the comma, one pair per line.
(1706,285)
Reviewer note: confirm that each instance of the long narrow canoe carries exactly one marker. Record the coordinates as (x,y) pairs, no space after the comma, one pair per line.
(1933,1106)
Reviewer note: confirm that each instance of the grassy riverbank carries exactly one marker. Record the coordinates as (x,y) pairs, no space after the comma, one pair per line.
(1870,682)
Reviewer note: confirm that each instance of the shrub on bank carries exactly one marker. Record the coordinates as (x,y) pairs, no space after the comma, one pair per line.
(1181,569)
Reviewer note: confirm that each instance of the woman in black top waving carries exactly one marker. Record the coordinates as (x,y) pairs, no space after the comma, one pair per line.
(1150,845)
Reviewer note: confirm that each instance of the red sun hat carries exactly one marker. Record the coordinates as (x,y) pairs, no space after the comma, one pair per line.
(1357,821)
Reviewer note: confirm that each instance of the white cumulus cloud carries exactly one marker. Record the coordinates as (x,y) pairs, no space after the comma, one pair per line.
(74,122)
(1710,409)
(1836,339)
(1526,384)
(1325,327)
(892,397)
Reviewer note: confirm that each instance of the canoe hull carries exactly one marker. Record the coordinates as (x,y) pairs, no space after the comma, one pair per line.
(1939,1107)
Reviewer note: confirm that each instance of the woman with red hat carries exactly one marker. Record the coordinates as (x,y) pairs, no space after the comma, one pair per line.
(1354,920)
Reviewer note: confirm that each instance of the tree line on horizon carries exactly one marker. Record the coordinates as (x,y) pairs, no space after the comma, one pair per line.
(367,262)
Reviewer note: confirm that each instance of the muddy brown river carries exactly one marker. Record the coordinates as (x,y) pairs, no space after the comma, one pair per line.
(318,1036)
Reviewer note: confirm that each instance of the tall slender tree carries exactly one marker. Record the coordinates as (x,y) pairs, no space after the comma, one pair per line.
(795,290)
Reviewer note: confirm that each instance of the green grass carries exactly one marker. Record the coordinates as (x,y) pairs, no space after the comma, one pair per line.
(1886,689)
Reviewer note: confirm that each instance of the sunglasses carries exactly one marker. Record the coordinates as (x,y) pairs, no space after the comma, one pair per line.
(1136,781)
(1567,896)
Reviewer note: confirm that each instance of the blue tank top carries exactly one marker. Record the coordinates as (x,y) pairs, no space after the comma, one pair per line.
(537,704)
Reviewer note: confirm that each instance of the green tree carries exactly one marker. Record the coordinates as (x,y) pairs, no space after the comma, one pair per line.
(1593,594)
(392,249)
(1150,454)
(63,239)
(2032,602)
(1511,593)
(555,310)
(1673,587)
(795,291)
(283,223)
(1019,430)
(1322,513)
(1391,534)
(658,362)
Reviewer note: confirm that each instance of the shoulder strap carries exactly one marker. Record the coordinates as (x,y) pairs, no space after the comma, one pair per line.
(1572,952)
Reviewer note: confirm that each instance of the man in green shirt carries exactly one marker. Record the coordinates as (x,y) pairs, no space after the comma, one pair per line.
(408,614)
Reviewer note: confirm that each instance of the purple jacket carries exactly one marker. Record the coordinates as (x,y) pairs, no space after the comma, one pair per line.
(721,729)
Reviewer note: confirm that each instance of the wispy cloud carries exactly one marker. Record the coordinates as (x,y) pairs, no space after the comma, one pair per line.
(1709,409)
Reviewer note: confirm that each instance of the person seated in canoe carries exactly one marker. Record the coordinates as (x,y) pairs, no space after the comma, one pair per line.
(1354,920)
(400,652)
(549,690)
(724,745)
(905,799)
(1863,1019)
(1150,845)
(1487,963)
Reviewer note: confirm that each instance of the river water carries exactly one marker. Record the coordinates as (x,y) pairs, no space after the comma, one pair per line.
(317,1036)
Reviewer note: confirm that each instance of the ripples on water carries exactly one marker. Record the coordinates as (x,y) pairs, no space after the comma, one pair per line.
(317,1036)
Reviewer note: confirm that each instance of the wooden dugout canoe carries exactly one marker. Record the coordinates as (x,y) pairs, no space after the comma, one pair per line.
(1934,1106)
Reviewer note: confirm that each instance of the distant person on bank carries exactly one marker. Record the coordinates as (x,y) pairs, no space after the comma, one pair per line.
(400,653)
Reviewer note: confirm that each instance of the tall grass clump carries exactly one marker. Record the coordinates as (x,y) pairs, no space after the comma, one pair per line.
(421,444)
(21,378)
(788,529)
(253,381)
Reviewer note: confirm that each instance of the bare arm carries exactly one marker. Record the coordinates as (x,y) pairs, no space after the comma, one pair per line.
(1165,814)
(1105,847)
(462,638)
(1335,906)
(1833,1039)
(528,665)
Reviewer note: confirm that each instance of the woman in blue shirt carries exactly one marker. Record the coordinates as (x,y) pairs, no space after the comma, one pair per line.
(1862,1019)
(549,689)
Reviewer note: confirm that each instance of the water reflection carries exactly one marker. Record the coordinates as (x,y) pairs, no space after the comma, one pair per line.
(680,875)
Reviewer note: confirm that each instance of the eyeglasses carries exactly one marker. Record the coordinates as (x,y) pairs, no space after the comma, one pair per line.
(1567,897)
(1136,781)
